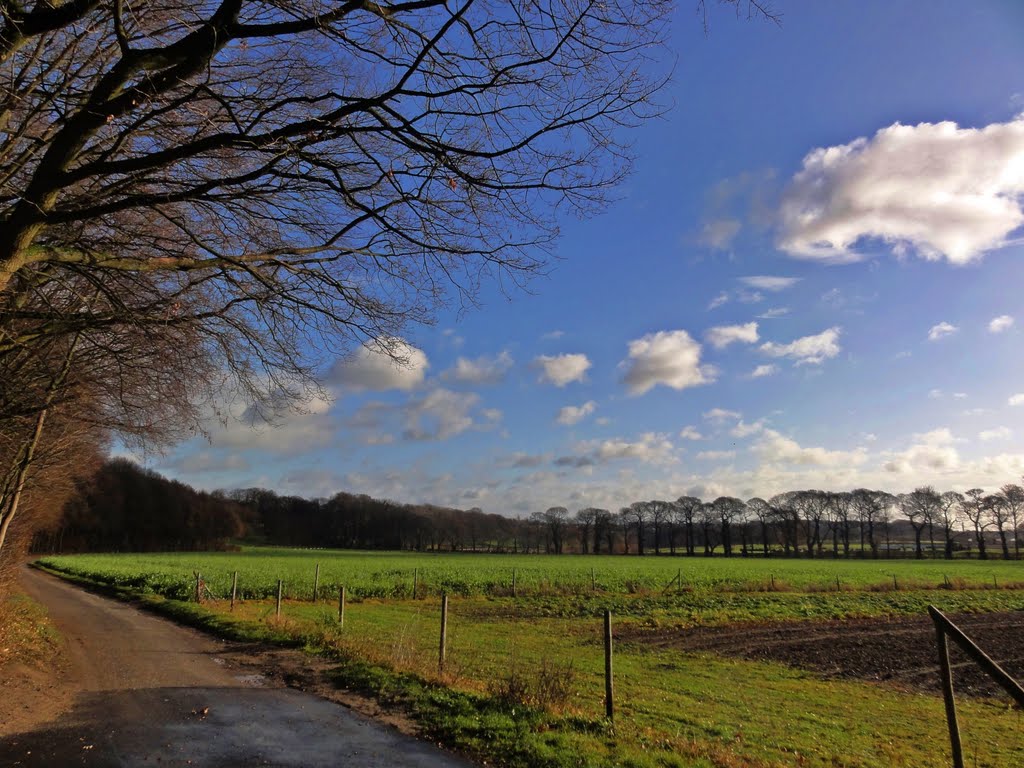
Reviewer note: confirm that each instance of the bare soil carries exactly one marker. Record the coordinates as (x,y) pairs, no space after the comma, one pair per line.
(899,651)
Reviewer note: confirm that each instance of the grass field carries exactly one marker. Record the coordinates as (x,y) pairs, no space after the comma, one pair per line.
(523,683)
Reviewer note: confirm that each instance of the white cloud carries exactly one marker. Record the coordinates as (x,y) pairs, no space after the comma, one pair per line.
(769,282)
(718,415)
(439,415)
(552,335)
(935,394)
(999,433)
(945,191)
(722,336)
(279,427)
(208,461)
(775,448)
(574,414)
(669,358)
(941,331)
(482,370)
(774,312)
(719,300)
(764,370)
(1000,324)
(651,448)
(934,451)
(719,233)
(960,395)
(809,350)
(562,369)
(1017,399)
(746,430)
(690,433)
(391,364)
(716,455)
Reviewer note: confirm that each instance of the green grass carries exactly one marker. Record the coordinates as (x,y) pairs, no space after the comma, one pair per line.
(391,575)
(673,708)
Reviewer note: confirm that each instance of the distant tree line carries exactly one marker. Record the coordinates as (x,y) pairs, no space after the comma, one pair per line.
(124,507)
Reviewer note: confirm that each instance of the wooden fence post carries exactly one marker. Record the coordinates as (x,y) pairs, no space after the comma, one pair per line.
(234,589)
(513,582)
(950,701)
(199,587)
(895,584)
(280,586)
(415,582)
(341,608)
(593,581)
(609,697)
(444,633)
(316,581)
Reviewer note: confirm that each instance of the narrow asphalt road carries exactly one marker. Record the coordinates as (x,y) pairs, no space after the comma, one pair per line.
(149,692)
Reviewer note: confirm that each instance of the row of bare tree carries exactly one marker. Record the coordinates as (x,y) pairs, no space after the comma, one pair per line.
(860,522)
(126,508)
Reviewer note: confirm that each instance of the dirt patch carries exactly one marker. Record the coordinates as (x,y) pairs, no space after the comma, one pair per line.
(900,651)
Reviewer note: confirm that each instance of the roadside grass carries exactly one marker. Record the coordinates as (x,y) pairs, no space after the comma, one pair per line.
(26,634)
(673,708)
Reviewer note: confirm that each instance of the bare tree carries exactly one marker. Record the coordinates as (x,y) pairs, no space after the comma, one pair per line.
(708,517)
(999,512)
(660,512)
(977,512)
(919,507)
(950,507)
(761,510)
(784,512)
(728,510)
(686,508)
(639,514)
(556,520)
(1014,496)
(871,507)
(585,519)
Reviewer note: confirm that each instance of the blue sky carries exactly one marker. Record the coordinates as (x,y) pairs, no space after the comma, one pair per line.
(812,279)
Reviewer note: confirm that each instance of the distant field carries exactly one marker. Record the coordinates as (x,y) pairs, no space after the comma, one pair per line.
(542,648)
(391,574)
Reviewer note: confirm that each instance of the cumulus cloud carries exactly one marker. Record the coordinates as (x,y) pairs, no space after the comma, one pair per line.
(764,370)
(438,415)
(941,331)
(1017,399)
(807,350)
(746,430)
(777,449)
(650,448)
(769,282)
(941,190)
(718,415)
(722,336)
(1000,324)
(562,369)
(690,433)
(441,414)
(574,414)
(669,358)
(391,364)
(482,370)
(279,426)
(999,433)
(716,455)
(933,451)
